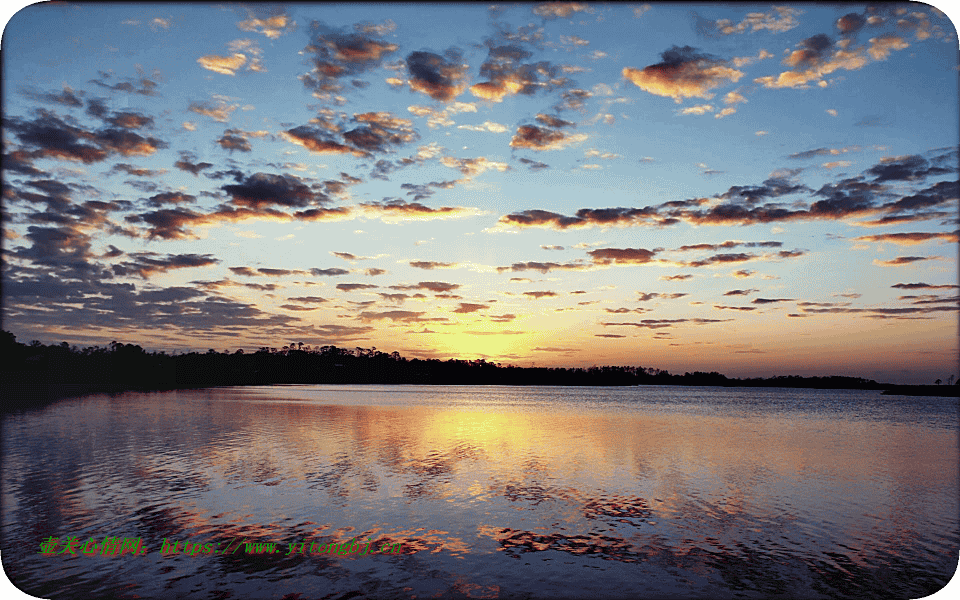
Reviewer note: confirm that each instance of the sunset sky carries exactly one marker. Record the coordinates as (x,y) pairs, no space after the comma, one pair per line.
(750,189)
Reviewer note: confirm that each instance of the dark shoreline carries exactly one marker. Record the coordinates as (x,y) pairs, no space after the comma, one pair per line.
(26,395)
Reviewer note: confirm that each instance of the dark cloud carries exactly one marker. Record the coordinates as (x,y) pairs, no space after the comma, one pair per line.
(903,260)
(328,272)
(507,74)
(126,143)
(50,137)
(542,138)
(905,168)
(646,297)
(534,165)
(186,163)
(130,120)
(147,264)
(169,224)
(403,316)
(850,23)
(379,131)
(740,292)
(66,98)
(135,171)
(554,122)
(543,267)
(466,308)
(308,299)
(352,287)
(729,244)
(910,238)
(771,300)
(676,277)
(429,264)
(924,286)
(373,271)
(231,141)
(319,141)
(159,200)
(142,85)
(338,54)
(683,73)
(538,295)
(440,77)
(263,189)
(622,256)
(398,208)
(725,258)
(432,286)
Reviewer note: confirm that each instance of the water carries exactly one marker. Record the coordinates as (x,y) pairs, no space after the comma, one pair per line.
(491,492)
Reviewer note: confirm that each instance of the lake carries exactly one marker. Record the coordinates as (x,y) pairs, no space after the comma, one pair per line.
(483,492)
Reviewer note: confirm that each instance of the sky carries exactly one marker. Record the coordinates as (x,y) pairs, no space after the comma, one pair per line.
(753,189)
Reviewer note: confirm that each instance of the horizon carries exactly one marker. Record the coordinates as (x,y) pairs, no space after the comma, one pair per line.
(751,190)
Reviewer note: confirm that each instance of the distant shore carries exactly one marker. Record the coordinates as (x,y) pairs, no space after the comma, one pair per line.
(17,394)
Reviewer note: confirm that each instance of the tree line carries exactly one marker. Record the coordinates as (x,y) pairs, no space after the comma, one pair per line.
(129,366)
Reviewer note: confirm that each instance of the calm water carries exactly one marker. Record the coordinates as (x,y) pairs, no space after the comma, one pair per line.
(492,492)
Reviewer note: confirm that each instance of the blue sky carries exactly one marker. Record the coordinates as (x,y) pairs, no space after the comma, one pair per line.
(753,189)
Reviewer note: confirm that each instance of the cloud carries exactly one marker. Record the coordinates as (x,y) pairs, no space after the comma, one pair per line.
(378,131)
(905,168)
(466,308)
(904,260)
(508,75)
(909,239)
(134,171)
(272,26)
(186,163)
(436,287)
(352,287)
(319,141)
(232,142)
(308,299)
(486,126)
(264,189)
(740,292)
(622,256)
(543,267)
(429,264)
(396,210)
(332,272)
(552,10)
(585,217)
(683,73)
(225,65)
(473,166)
(47,136)
(851,23)
(771,300)
(403,316)
(816,58)
(147,264)
(169,224)
(538,295)
(440,77)
(700,109)
(338,54)
(542,138)
(218,110)
(646,297)
(779,20)
(729,244)
(676,277)
(924,286)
